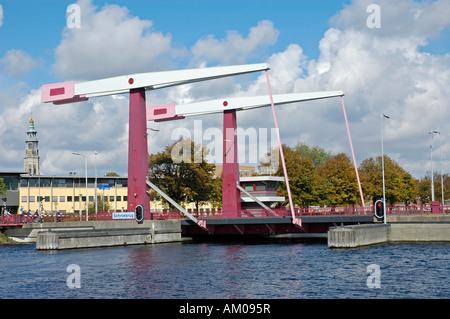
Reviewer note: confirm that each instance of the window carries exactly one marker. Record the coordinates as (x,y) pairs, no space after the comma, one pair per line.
(260,187)
(31,199)
(47,198)
(11,182)
(24,199)
(54,199)
(45,182)
(77,198)
(248,187)
(111,198)
(69,198)
(62,199)
(122,183)
(59,182)
(118,198)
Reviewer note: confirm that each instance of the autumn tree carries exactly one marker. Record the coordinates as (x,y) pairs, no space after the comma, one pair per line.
(423,186)
(112,174)
(181,171)
(399,184)
(2,187)
(303,182)
(338,174)
(317,154)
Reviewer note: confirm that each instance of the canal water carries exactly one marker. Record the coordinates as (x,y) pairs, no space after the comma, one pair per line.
(255,270)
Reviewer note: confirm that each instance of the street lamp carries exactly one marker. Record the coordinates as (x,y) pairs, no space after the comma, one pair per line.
(87,198)
(382,168)
(95,165)
(442,176)
(431,159)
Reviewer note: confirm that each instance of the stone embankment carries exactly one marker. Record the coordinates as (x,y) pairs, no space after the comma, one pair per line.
(84,234)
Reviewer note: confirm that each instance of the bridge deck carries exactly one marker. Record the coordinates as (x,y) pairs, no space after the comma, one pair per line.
(270,225)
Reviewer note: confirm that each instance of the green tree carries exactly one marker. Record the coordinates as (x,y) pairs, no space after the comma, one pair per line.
(338,174)
(303,181)
(2,187)
(181,171)
(100,202)
(317,154)
(399,184)
(112,174)
(423,186)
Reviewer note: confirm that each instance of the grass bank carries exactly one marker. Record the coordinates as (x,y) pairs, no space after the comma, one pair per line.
(4,239)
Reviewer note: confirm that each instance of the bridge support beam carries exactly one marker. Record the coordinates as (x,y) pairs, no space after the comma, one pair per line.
(231,197)
(138,153)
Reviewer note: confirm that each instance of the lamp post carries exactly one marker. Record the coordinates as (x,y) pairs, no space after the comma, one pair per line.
(87,198)
(442,177)
(431,160)
(95,165)
(382,168)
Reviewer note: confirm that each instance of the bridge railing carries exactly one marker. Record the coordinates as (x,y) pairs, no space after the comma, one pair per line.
(11,219)
(280,212)
(264,213)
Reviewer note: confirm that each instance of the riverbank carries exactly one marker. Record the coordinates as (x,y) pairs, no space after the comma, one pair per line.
(5,239)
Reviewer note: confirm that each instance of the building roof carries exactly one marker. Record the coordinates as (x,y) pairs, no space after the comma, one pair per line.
(262,179)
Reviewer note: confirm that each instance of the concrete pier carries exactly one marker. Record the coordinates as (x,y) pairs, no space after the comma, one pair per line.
(84,234)
(357,235)
(67,239)
(400,228)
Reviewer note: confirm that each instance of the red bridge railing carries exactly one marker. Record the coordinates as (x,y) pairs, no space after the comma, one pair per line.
(18,220)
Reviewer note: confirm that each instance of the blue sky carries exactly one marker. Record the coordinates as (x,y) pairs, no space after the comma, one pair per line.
(401,68)
(36,26)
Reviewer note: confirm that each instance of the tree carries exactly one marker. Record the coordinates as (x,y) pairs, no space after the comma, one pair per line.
(101,200)
(181,171)
(399,184)
(2,187)
(338,174)
(112,174)
(303,182)
(317,154)
(424,187)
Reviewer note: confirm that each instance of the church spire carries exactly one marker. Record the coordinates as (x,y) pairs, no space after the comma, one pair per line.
(31,160)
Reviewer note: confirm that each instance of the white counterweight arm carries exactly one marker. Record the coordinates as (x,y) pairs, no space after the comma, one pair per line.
(169,112)
(68,92)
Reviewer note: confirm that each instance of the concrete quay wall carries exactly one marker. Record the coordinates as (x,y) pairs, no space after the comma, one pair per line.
(357,235)
(68,239)
(419,232)
(400,229)
(96,233)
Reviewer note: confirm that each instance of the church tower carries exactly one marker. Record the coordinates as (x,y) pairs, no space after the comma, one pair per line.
(31,163)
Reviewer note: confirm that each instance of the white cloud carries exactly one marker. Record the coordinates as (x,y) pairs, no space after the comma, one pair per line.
(234,49)
(383,72)
(402,18)
(17,63)
(111,42)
